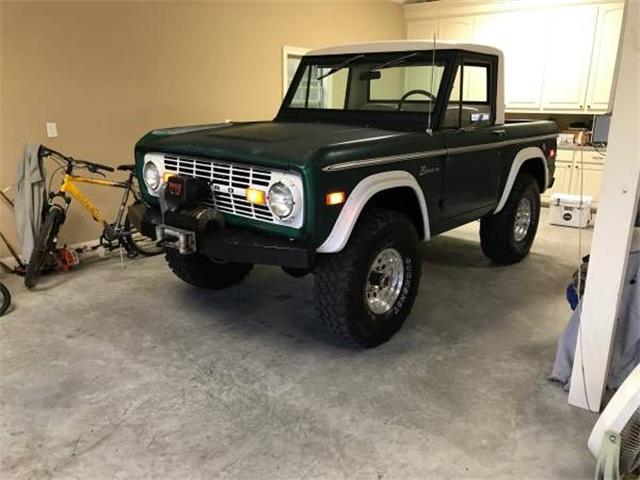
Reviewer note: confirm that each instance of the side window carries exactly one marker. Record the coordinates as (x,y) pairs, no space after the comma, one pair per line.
(470,99)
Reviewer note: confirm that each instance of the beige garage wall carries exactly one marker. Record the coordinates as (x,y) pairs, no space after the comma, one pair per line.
(107,72)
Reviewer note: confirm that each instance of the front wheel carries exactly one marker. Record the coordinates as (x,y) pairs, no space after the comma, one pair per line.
(506,237)
(45,245)
(364,293)
(199,271)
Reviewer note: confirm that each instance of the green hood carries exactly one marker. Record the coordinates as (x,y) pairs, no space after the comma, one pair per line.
(273,144)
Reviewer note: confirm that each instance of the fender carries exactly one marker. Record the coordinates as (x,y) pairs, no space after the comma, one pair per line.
(359,197)
(522,156)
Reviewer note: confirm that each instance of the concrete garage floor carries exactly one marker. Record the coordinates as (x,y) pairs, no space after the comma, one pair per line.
(140,375)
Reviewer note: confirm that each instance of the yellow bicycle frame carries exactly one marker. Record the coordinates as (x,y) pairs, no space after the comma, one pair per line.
(68,186)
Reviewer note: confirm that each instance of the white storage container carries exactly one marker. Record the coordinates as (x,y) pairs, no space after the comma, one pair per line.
(567,210)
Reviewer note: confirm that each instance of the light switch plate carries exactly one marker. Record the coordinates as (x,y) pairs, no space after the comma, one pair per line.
(52,129)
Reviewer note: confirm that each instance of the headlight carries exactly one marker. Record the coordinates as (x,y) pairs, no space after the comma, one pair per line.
(281,200)
(151,176)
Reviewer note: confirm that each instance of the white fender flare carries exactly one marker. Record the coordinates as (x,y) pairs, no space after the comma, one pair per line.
(522,156)
(359,197)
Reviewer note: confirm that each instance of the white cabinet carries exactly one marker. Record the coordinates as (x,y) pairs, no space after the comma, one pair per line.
(525,53)
(563,173)
(567,67)
(603,61)
(422,29)
(557,59)
(576,172)
(455,29)
(587,175)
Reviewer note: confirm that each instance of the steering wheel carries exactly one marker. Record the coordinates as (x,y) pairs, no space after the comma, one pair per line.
(414,92)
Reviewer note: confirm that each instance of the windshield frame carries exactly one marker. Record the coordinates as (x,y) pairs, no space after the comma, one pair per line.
(402,119)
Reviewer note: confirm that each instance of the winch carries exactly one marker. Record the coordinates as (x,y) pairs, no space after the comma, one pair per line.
(184,213)
(182,205)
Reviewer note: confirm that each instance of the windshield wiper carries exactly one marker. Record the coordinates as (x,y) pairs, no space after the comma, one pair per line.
(340,66)
(394,61)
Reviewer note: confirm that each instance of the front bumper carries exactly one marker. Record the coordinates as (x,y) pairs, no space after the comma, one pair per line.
(233,244)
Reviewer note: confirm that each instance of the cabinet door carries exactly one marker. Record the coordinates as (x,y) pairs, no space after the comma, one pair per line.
(522,37)
(458,29)
(588,179)
(603,62)
(567,68)
(422,29)
(562,184)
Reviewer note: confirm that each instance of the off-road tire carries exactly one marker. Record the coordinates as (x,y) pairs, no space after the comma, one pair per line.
(44,245)
(5,299)
(340,279)
(199,271)
(497,235)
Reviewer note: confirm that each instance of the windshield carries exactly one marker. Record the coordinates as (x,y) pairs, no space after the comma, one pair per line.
(407,82)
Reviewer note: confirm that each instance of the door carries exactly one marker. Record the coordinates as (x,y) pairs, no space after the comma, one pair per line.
(563,173)
(588,175)
(523,39)
(455,29)
(603,63)
(567,68)
(422,30)
(472,167)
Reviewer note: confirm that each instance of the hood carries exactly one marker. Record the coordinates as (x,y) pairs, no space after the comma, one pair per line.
(274,144)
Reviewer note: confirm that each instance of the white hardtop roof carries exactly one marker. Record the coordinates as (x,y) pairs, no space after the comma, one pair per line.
(404,46)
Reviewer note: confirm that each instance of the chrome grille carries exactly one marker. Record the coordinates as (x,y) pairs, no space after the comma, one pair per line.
(222,175)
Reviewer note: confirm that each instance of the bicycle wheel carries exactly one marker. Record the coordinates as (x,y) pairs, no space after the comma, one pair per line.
(139,243)
(45,244)
(5,299)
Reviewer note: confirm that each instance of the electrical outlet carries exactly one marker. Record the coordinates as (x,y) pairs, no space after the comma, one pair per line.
(52,129)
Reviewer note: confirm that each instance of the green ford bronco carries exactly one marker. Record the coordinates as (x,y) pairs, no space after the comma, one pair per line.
(377,147)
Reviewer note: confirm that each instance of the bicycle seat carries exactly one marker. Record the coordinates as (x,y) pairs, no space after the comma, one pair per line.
(127,168)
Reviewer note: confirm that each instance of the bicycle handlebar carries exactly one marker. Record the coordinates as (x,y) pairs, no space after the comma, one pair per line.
(91,166)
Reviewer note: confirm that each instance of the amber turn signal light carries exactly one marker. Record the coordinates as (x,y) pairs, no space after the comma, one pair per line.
(335,198)
(256,196)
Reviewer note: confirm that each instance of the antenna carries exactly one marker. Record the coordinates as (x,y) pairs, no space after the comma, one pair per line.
(433,74)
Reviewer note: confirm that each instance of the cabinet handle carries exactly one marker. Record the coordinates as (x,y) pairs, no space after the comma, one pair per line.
(580,107)
(589,106)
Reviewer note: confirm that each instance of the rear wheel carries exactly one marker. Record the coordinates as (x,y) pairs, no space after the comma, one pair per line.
(139,244)
(198,270)
(507,237)
(45,246)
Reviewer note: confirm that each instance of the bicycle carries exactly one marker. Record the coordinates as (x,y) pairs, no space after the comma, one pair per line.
(119,234)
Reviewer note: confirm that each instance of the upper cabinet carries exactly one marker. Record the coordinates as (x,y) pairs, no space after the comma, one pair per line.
(567,69)
(422,29)
(523,39)
(559,59)
(456,29)
(603,61)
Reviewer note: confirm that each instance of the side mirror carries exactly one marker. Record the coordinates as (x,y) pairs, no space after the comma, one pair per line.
(476,120)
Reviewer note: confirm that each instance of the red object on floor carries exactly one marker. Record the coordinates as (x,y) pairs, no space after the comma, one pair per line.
(67,259)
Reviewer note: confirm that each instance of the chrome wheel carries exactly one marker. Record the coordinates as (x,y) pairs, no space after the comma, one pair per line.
(384,282)
(523,219)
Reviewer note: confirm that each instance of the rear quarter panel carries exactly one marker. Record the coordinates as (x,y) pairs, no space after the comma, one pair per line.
(541,134)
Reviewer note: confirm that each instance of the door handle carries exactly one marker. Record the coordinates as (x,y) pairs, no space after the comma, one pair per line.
(500,133)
